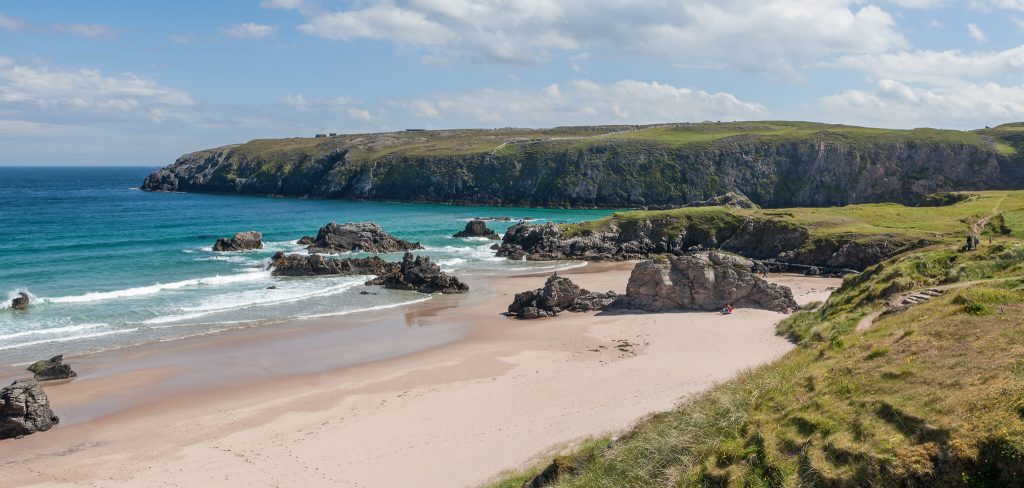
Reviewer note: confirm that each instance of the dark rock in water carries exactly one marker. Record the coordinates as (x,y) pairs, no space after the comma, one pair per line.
(477,228)
(495,247)
(24,410)
(701,281)
(495,219)
(271,287)
(242,241)
(559,294)
(305,240)
(317,265)
(361,236)
(52,369)
(20,302)
(417,273)
(364,292)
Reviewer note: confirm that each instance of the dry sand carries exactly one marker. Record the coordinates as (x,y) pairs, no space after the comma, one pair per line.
(494,398)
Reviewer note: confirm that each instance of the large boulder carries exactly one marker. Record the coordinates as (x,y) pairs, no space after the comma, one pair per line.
(558,294)
(477,228)
(360,236)
(417,273)
(702,281)
(317,265)
(52,369)
(242,241)
(24,410)
(20,302)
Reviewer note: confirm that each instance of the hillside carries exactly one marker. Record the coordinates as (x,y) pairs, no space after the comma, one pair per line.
(909,375)
(775,164)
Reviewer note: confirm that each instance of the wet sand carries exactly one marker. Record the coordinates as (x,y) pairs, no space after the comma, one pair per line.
(440,393)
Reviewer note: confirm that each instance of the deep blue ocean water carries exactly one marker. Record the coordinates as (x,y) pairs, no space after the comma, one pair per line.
(109,265)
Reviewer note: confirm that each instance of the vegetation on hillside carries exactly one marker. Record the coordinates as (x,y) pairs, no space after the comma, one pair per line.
(926,395)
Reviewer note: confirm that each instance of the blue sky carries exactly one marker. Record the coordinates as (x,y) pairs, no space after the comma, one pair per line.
(143,82)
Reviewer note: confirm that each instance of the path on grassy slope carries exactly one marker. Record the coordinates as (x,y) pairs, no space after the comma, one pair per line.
(906,300)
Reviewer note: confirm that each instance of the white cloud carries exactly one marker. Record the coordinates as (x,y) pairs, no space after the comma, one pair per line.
(894,104)
(85,89)
(919,3)
(581,102)
(84,30)
(360,114)
(180,38)
(939,67)
(976,33)
(250,30)
(776,36)
(10,23)
(999,4)
(300,102)
(285,4)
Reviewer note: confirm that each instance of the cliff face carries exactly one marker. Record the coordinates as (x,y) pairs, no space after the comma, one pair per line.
(818,169)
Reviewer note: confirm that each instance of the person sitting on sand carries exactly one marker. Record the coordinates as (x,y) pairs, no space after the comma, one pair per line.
(727,310)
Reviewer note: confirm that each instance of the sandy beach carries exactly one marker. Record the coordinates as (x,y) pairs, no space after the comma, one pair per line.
(468,393)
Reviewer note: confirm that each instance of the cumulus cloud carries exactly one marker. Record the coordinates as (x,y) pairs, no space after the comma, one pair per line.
(10,23)
(999,4)
(894,104)
(250,30)
(919,3)
(45,88)
(753,35)
(84,30)
(300,102)
(581,102)
(976,33)
(939,67)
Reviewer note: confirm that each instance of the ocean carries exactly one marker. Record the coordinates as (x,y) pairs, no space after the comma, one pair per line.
(107,265)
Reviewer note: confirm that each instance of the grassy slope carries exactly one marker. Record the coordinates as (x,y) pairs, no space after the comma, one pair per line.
(276,154)
(931,396)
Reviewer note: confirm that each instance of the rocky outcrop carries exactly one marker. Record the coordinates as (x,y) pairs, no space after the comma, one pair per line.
(701,281)
(316,265)
(781,244)
(305,240)
(476,228)
(52,369)
(242,241)
(20,302)
(418,273)
(358,237)
(730,200)
(826,166)
(24,410)
(558,294)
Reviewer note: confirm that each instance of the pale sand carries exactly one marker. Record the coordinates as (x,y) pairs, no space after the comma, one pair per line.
(450,416)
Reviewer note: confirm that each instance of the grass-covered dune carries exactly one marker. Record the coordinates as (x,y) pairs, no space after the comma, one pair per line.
(878,392)
(773,163)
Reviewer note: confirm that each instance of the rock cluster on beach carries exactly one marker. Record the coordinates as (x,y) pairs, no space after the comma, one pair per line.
(242,241)
(477,228)
(20,302)
(52,369)
(24,410)
(317,265)
(701,281)
(359,236)
(557,295)
(418,273)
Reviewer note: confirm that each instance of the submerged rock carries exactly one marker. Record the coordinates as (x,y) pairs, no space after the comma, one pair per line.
(20,302)
(24,410)
(242,241)
(417,273)
(701,281)
(317,265)
(558,294)
(477,228)
(360,236)
(52,369)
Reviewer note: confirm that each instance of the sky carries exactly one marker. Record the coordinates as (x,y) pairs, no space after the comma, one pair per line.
(130,82)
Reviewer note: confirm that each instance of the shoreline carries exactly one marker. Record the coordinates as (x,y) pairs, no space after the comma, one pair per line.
(491,395)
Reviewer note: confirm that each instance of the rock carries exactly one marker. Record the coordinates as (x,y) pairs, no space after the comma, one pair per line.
(558,294)
(361,237)
(271,287)
(495,247)
(305,240)
(242,241)
(477,228)
(24,410)
(52,369)
(495,219)
(730,199)
(317,265)
(701,281)
(417,273)
(20,302)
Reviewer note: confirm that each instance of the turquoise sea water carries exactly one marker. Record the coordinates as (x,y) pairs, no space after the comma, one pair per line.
(108,265)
